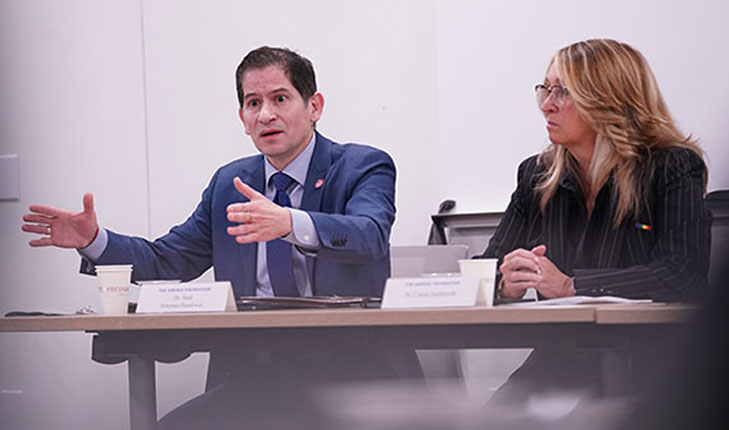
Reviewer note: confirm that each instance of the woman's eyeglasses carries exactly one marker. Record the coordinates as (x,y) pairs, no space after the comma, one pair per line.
(559,94)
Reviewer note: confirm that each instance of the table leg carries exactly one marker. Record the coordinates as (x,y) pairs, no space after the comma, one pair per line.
(616,372)
(142,393)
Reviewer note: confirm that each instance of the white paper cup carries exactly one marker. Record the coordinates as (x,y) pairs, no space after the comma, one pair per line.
(485,270)
(114,282)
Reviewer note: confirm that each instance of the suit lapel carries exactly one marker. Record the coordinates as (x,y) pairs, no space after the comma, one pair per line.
(316,178)
(254,176)
(316,175)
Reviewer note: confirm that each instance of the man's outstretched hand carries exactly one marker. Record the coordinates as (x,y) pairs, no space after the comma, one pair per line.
(62,228)
(260,219)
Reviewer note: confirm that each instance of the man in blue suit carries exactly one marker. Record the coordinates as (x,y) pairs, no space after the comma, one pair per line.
(342,198)
(307,216)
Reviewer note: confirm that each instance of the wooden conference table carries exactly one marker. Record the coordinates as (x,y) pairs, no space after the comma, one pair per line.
(143,339)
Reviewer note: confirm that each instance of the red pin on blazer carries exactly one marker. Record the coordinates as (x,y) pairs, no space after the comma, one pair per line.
(318,184)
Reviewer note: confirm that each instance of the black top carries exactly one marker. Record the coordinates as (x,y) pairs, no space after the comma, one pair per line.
(667,260)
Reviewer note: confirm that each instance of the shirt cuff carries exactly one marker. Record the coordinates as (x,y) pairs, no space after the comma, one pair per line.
(96,247)
(303,233)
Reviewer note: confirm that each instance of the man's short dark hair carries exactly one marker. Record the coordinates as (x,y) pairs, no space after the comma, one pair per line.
(298,69)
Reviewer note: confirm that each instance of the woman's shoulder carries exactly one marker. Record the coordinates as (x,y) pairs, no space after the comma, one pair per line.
(677,158)
(676,155)
(530,168)
(671,163)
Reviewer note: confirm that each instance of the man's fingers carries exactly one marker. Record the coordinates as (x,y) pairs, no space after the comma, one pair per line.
(46,241)
(88,203)
(238,207)
(42,219)
(247,233)
(240,230)
(241,216)
(35,228)
(245,230)
(244,233)
(246,190)
(250,238)
(46,210)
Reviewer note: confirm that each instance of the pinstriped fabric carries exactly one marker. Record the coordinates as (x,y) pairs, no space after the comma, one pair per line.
(668,262)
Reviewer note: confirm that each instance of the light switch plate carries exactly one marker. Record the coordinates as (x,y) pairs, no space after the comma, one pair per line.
(9,177)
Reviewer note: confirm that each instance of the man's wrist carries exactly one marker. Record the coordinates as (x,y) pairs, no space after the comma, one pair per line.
(303,232)
(96,234)
(97,246)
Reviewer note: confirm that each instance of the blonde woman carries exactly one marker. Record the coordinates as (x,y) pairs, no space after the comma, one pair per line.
(614,206)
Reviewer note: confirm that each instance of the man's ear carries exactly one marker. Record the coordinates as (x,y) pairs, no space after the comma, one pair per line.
(240,114)
(316,105)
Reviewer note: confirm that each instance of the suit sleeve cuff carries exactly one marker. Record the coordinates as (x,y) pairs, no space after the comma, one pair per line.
(303,233)
(96,248)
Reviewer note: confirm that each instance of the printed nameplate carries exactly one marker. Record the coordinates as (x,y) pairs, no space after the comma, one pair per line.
(186,297)
(431,292)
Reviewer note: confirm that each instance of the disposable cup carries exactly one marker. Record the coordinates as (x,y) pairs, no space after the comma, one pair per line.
(485,270)
(114,282)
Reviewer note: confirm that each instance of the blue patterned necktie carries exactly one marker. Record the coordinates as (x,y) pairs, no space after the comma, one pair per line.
(278,252)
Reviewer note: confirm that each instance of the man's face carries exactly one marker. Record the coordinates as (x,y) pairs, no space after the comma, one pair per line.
(274,114)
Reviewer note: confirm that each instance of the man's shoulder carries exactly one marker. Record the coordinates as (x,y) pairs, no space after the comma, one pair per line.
(244,163)
(240,167)
(354,151)
(244,168)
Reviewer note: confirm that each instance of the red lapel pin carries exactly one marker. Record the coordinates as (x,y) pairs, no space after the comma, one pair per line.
(318,184)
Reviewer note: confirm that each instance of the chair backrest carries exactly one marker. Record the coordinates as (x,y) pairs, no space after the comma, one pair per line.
(718,204)
(418,259)
(471,229)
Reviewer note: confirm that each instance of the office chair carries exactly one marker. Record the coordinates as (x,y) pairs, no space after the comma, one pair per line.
(718,204)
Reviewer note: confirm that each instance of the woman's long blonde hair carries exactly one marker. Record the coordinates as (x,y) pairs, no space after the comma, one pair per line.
(615,92)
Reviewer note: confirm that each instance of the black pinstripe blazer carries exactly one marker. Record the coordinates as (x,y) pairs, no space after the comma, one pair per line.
(668,262)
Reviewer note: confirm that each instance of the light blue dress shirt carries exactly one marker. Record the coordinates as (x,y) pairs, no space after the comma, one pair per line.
(303,233)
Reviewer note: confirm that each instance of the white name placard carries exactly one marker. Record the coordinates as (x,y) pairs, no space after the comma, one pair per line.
(186,297)
(430,292)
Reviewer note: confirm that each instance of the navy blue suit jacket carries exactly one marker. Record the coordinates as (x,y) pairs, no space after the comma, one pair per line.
(353,211)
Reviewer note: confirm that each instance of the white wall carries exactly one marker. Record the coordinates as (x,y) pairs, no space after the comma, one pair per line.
(70,98)
(374,62)
(444,86)
(490,55)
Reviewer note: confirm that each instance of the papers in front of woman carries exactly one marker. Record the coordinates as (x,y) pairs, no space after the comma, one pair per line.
(581,300)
